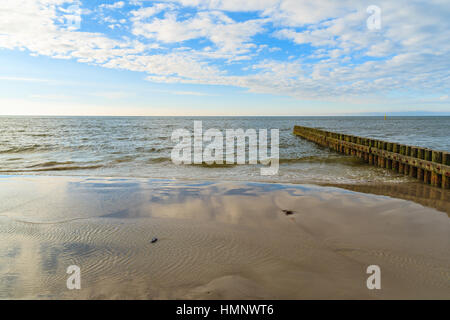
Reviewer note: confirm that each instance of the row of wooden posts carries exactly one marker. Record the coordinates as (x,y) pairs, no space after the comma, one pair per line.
(430,166)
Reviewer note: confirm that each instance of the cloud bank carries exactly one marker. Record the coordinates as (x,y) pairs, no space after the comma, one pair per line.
(302,49)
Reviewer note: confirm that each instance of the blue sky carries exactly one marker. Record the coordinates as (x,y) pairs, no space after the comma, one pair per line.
(223,57)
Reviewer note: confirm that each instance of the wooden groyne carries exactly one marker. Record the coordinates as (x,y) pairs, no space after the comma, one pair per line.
(430,166)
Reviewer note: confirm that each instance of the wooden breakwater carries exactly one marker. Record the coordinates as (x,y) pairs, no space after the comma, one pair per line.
(430,166)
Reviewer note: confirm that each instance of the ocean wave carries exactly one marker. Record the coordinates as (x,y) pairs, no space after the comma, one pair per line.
(214,165)
(54,169)
(124,159)
(159,160)
(51,164)
(153,149)
(204,165)
(22,149)
(40,135)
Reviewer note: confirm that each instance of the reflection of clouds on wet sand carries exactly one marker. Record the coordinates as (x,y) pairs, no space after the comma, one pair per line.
(216,240)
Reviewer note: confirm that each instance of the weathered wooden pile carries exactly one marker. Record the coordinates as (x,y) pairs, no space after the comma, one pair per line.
(429,166)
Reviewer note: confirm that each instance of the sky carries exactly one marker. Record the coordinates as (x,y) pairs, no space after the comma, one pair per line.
(224,57)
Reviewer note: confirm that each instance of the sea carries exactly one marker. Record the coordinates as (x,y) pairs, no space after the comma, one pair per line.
(141,147)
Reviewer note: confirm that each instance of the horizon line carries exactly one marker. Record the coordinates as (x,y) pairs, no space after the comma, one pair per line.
(368,114)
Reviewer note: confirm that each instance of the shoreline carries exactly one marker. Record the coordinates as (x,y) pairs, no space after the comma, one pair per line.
(216,240)
(410,190)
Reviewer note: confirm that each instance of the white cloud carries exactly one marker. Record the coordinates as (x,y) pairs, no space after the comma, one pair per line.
(227,5)
(217,27)
(341,57)
(116,5)
(147,12)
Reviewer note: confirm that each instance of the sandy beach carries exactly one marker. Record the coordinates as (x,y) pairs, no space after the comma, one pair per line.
(216,240)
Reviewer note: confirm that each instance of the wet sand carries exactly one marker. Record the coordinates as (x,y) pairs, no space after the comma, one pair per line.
(215,241)
(415,191)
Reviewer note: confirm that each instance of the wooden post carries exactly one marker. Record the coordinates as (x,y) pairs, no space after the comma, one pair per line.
(427,177)
(420,174)
(446,158)
(390,146)
(438,181)
(413,172)
(428,165)
(446,181)
(406,169)
(396,148)
(420,153)
(388,164)
(437,156)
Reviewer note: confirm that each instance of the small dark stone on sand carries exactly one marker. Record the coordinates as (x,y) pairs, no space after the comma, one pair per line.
(154,240)
(288,212)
